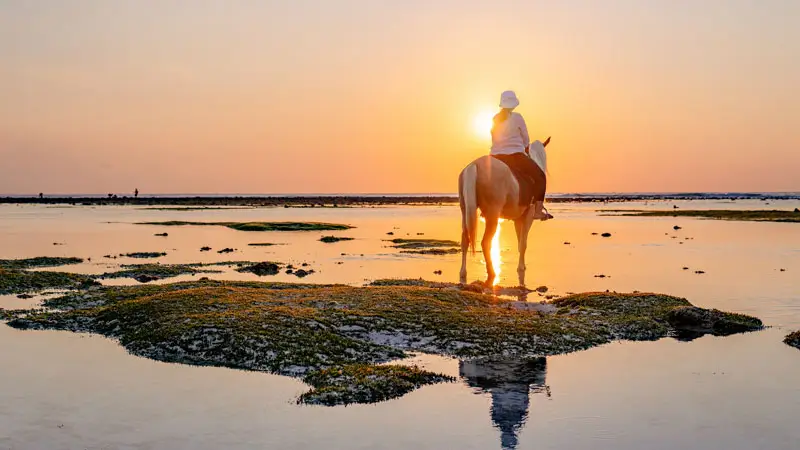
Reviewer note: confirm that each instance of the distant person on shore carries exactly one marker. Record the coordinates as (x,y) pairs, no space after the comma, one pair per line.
(510,144)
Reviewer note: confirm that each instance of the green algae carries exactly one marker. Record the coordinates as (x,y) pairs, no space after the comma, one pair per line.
(793,339)
(362,383)
(302,329)
(332,239)
(720,214)
(260,226)
(39,261)
(426,246)
(22,281)
(262,244)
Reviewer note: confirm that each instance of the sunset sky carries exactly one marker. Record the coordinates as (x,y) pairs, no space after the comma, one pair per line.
(368,96)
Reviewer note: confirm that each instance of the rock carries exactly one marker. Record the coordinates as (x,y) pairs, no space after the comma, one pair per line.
(226,250)
(261,269)
(391,233)
(203,278)
(290,266)
(699,272)
(793,339)
(685,268)
(711,321)
(437,272)
(24,296)
(304,264)
(289,271)
(676,228)
(783,270)
(566,243)
(542,289)
(205,249)
(606,235)
(601,276)
(301,273)
(161,234)
(594,234)
(145,278)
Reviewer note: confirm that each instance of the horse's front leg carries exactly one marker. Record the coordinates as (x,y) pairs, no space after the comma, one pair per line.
(523,227)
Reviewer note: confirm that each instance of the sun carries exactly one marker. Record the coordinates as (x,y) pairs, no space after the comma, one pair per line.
(482,124)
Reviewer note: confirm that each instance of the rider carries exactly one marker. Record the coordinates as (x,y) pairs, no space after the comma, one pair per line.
(510,142)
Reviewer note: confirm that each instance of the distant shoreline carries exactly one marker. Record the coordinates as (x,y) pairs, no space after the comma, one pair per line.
(365,200)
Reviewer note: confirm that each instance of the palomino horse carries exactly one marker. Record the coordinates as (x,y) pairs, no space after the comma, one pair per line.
(489,185)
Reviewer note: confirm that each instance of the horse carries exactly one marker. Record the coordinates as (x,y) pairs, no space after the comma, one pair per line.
(489,185)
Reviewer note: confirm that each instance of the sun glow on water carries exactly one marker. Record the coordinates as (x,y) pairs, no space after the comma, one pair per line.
(496,263)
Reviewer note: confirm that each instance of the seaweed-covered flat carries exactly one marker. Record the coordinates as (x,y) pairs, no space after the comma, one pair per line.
(426,246)
(298,329)
(144,255)
(37,262)
(332,239)
(259,226)
(793,339)
(151,272)
(23,281)
(719,214)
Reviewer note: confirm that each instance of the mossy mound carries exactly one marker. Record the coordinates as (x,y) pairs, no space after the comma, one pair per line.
(720,214)
(362,383)
(21,281)
(261,269)
(296,329)
(260,226)
(793,339)
(39,261)
(711,321)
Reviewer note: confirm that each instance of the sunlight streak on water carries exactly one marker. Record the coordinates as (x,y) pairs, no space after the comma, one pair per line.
(496,262)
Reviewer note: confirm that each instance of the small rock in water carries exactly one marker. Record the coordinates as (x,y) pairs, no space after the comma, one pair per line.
(161,234)
(205,249)
(420,234)
(261,269)
(542,289)
(391,233)
(699,271)
(24,296)
(685,268)
(203,278)
(676,227)
(594,234)
(145,278)
(304,264)
(290,266)
(606,235)
(226,250)
(301,273)
(783,270)
(566,243)
(601,276)
(674,206)
(289,271)
(437,272)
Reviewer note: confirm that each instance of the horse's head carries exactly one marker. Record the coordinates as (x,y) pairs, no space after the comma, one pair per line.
(537,153)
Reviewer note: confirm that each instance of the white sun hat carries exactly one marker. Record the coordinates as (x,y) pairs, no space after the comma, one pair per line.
(508,99)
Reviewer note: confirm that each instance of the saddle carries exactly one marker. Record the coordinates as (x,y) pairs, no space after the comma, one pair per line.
(524,180)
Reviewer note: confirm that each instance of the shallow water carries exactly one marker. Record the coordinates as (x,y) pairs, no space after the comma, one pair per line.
(62,390)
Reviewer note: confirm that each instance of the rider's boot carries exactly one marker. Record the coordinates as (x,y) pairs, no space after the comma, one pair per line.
(539,213)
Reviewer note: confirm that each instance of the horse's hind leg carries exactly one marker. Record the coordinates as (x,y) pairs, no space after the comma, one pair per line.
(486,246)
(464,248)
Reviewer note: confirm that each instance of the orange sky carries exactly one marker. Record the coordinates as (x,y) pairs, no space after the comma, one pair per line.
(360,96)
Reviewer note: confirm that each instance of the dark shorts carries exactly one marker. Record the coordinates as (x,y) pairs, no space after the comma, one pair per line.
(531,178)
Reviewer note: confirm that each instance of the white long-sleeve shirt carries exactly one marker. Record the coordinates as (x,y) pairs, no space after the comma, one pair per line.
(510,136)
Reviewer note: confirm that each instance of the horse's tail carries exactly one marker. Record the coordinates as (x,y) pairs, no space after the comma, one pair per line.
(469,203)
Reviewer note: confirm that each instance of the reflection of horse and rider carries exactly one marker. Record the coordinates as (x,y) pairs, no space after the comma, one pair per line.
(503,185)
(510,383)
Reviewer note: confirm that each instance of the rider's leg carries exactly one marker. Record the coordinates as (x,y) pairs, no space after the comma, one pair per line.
(539,189)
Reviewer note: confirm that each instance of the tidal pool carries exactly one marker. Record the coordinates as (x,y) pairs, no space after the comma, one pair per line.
(62,390)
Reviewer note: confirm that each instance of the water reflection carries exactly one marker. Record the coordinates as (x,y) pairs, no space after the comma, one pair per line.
(510,384)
